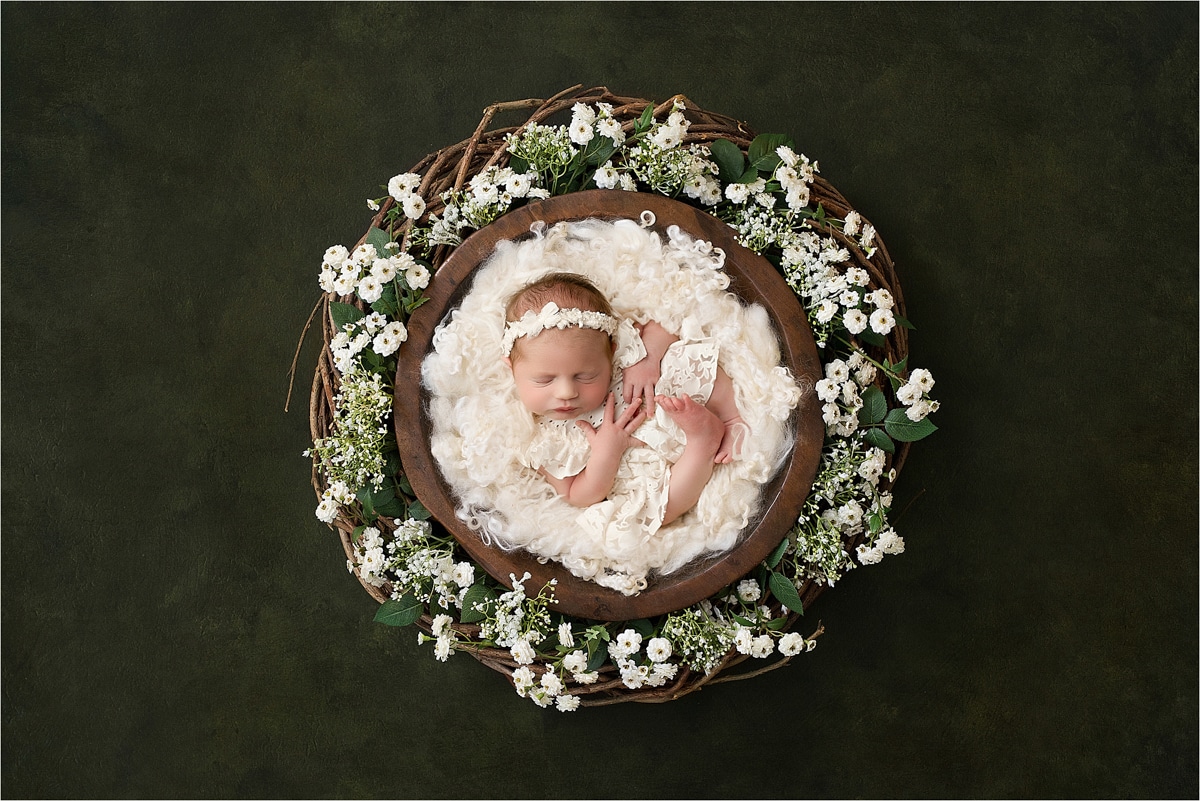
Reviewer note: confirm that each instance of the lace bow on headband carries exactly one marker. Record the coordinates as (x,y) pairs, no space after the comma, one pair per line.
(551,316)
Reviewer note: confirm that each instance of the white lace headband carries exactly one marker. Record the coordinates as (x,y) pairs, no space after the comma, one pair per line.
(533,323)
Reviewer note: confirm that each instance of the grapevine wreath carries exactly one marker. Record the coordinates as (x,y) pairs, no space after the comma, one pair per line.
(778,235)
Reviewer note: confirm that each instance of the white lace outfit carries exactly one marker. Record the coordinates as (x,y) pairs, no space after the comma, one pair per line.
(485,441)
(633,511)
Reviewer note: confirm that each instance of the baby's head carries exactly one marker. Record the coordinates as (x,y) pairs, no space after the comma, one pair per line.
(558,343)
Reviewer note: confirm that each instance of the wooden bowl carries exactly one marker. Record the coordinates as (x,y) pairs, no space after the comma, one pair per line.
(752,278)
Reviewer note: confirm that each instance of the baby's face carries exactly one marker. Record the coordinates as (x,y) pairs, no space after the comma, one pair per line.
(563,373)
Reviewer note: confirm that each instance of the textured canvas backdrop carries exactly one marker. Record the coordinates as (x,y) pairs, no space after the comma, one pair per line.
(177,623)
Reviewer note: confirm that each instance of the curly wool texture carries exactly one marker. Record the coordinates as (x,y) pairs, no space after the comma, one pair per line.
(480,428)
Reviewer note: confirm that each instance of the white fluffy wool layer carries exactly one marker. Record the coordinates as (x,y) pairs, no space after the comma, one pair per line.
(480,427)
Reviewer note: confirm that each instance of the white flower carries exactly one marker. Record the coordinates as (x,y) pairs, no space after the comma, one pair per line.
(868,236)
(388,340)
(830,413)
(567,703)
(668,136)
(857,276)
(921,378)
(383,269)
(663,672)
(335,255)
(363,254)
(909,393)
(611,129)
(826,311)
(865,374)
(369,289)
(522,680)
(628,183)
(853,221)
(629,641)
(414,206)
(581,132)
(837,370)
(791,644)
(522,652)
(659,649)
(583,112)
(869,556)
(328,276)
(565,638)
(372,204)
(743,638)
(919,410)
(748,590)
(889,542)
(849,298)
(787,155)
(518,185)
(585,678)
(575,662)
(372,561)
(417,276)
(850,514)
(882,299)
(828,390)
(737,193)
(855,321)
(440,622)
(327,510)
(882,321)
(442,649)
(798,197)
(606,177)
(464,574)
(400,186)
(761,646)
(551,683)
(345,283)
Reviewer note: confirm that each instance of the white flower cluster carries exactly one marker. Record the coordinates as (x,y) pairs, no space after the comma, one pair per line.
(414,562)
(403,188)
(659,161)
(516,621)
(653,671)
(914,394)
(373,330)
(366,272)
(587,122)
(547,146)
(840,392)
(795,175)
(352,455)
(845,503)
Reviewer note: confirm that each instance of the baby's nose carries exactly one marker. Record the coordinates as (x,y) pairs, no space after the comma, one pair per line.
(565,389)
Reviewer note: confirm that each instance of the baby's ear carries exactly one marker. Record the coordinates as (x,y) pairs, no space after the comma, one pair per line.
(507,361)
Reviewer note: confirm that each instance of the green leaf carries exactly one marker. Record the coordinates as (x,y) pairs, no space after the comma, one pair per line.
(354,535)
(899,366)
(364,497)
(596,656)
(739,619)
(729,159)
(343,314)
(783,589)
(871,338)
(479,595)
(904,322)
(763,157)
(380,239)
(599,150)
(748,177)
(518,164)
(646,120)
(877,438)
(905,430)
(417,511)
(875,522)
(400,613)
(776,623)
(777,554)
(874,406)
(643,627)
(391,508)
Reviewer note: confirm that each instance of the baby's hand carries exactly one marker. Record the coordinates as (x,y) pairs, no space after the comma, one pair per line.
(614,436)
(640,380)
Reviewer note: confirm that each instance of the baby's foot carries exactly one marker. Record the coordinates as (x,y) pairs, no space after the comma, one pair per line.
(735,432)
(702,428)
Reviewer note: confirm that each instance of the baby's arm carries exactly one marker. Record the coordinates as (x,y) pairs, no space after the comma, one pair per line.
(641,378)
(608,442)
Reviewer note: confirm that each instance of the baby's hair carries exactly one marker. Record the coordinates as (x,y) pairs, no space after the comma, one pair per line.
(568,290)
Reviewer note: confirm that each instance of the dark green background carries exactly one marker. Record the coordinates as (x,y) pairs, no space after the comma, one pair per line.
(177,623)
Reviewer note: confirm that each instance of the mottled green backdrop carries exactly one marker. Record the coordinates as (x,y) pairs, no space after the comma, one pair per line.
(177,623)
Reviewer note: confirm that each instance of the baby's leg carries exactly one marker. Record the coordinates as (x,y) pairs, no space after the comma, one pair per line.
(723,404)
(695,467)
